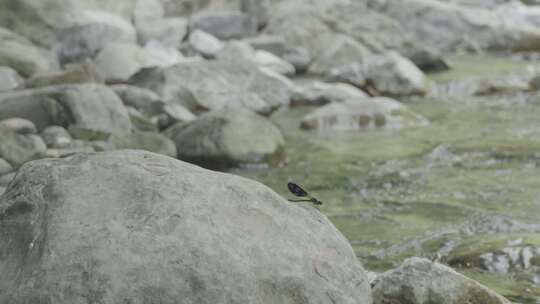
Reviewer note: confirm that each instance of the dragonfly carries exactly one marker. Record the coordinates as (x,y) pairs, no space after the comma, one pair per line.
(298,191)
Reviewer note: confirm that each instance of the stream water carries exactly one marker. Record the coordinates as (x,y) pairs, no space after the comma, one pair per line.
(462,188)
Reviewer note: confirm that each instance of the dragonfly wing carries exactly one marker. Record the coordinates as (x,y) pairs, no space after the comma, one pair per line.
(296,190)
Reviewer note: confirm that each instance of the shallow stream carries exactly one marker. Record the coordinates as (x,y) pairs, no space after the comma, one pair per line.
(458,190)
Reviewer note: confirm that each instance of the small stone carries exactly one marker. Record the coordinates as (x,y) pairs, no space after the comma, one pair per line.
(204,43)
(535,83)
(225,24)
(56,137)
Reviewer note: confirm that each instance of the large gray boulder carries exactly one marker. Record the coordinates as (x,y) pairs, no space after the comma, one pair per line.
(230,137)
(136,227)
(210,85)
(385,74)
(88,111)
(420,281)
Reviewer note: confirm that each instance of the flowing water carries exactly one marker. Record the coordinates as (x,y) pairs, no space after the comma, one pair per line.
(465,186)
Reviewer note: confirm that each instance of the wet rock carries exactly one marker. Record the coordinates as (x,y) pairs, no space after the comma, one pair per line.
(17,149)
(116,62)
(516,258)
(85,72)
(148,141)
(386,74)
(19,54)
(88,32)
(88,111)
(9,79)
(205,44)
(320,93)
(419,281)
(225,83)
(510,83)
(225,24)
(229,137)
(362,113)
(428,60)
(165,230)
(5,167)
(19,125)
(341,50)
(56,137)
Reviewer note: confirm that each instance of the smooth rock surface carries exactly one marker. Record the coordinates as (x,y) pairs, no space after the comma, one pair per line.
(420,281)
(230,137)
(225,83)
(136,227)
(88,111)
